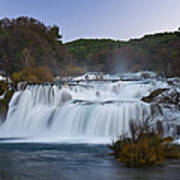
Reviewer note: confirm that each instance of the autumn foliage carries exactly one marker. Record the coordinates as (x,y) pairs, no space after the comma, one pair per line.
(143,148)
(37,74)
(25,41)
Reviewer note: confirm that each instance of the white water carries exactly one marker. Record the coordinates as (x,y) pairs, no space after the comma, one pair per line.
(87,112)
(2,78)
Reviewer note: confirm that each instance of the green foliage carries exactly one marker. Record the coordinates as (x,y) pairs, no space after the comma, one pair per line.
(159,52)
(83,50)
(143,148)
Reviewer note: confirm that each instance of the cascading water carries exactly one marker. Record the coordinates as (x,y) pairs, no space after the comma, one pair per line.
(94,111)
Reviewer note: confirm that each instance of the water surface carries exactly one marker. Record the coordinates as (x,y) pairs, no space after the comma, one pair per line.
(73,162)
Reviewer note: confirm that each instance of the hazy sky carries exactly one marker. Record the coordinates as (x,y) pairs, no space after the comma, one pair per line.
(117,19)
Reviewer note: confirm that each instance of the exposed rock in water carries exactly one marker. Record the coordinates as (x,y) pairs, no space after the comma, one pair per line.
(168,102)
(178,130)
(153,95)
(168,98)
(160,128)
(4,102)
(171,97)
(98,94)
(3,87)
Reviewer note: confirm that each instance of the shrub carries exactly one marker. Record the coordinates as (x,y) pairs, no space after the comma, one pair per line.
(144,147)
(72,70)
(37,74)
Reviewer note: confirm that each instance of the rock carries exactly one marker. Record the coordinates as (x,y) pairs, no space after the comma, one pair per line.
(165,104)
(178,129)
(159,127)
(170,98)
(3,87)
(4,103)
(145,75)
(98,94)
(154,94)
(1,91)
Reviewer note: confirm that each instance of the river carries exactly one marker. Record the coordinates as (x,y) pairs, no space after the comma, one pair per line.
(61,131)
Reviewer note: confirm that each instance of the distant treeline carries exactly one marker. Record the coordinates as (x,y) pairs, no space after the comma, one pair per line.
(28,43)
(159,52)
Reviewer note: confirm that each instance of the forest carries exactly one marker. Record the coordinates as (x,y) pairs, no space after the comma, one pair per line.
(28,43)
(158,52)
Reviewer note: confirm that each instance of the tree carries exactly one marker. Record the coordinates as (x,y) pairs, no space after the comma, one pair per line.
(26,41)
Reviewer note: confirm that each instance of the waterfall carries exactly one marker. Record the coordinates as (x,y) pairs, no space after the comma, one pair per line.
(93,111)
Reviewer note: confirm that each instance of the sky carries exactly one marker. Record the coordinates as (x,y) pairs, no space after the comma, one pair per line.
(116,19)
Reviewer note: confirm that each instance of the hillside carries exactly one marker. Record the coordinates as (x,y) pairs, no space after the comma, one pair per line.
(83,50)
(28,43)
(159,52)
